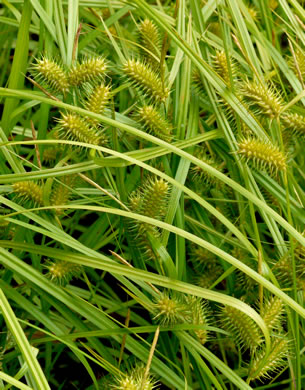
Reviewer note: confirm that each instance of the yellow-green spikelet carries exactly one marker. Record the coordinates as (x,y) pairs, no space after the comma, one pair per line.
(154,123)
(265,99)
(150,41)
(29,190)
(89,70)
(262,155)
(145,80)
(275,361)
(97,101)
(243,329)
(73,127)
(293,123)
(52,74)
(62,192)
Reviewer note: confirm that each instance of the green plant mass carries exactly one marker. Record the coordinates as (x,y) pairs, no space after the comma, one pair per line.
(152,189)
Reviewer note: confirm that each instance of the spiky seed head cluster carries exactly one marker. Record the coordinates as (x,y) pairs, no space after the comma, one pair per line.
(206,278)
(200,175)
(272,313)
(265,100)
(62,192)
(276,360)
(293,123)
(73,127)
(62,272)
(97,100)
(29,190)
(89,70)
(51,73)
(222,67)
(154,122)
(155,196)
(145,80)
(244,330)
(150,41)
(134,380)
(262,155)
(243,282)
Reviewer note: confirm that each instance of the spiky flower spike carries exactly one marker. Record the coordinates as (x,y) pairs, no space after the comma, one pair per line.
(300,60)
(49,155)
(62,272)
(276,360)
(145,80)
(199,315)
(62,192)
(150,40)
(222,67)
(262,155)
(243,329)
(272,313)
(73,127)
(153,122)
(293,123)
(52,74)
(172,309)
(265,100)
(134,380)
(203,177)
(28,190)
(97,100)
(89,70)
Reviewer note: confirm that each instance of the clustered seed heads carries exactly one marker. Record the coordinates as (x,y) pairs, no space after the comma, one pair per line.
(297,64)
(272,313)
(265,100)
(150,41)
(89,70)
(73,127)
(145,80)
(62,272)
(262,155)
(29,190)
(153,122)
(53,74)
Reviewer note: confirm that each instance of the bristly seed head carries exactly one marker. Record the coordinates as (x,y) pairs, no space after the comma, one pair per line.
(153,122)
(73,127)
(150,41)
(29,190)
(62,272)
(145,80)
(89,70)
(265,100)
(53,74)
(294,123)
(262,155)
(97,100)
